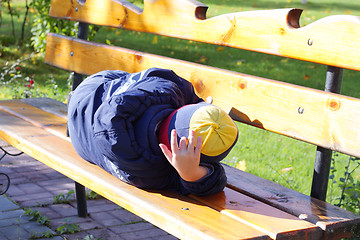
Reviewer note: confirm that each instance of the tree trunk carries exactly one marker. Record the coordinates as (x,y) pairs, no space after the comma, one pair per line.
(12,18)
(23,24)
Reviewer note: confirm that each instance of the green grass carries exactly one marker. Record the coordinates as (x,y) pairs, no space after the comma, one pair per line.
(48,81)
(289,163)
(271,156)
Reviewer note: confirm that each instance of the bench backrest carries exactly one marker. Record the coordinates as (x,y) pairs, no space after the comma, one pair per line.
(326,119)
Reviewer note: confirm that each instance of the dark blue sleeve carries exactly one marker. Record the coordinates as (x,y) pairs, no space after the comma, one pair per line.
(212,183)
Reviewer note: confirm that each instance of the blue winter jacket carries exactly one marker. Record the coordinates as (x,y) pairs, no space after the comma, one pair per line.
(113,122)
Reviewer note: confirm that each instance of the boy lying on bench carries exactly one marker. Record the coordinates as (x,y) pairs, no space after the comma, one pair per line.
(148,128)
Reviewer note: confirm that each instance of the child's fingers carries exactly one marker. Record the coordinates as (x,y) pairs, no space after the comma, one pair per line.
(182,144)
(174,142)
(191,140)
(198,146)
(166,152)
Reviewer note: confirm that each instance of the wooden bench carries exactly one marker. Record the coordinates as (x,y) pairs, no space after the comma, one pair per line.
(249,207)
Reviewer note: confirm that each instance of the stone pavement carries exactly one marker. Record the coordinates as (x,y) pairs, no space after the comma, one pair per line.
(36,188)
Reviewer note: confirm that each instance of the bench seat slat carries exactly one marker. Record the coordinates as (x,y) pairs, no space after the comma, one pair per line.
(177,214)
(310,115)
(336,222)
(40,118)
(49,105)
(276,223)
(269,31)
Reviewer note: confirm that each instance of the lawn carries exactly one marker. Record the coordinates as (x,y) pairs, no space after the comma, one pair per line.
(280,159)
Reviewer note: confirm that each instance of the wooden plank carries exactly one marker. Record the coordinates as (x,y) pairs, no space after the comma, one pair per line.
(272,221)
(175,213)
(50,122)
(336,222)
(49,105)
(269,31)
(325,119)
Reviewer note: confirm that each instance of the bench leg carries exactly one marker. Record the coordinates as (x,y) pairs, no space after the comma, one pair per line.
(321,173)
(81,200)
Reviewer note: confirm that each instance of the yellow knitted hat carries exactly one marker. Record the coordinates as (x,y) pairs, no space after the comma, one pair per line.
(217,130)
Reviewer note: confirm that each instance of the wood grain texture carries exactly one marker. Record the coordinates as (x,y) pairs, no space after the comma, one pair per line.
(48,105)
(325,119)
(177,214)
(274,222)
(269,31)
(336,222)
(52,123)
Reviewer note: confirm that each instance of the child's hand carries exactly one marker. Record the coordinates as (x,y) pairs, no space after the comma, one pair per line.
(185,158)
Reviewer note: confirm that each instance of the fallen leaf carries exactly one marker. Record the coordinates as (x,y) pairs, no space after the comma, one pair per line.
(203,59)
(239,62)
(286,169)
(155,40)
(241,165)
